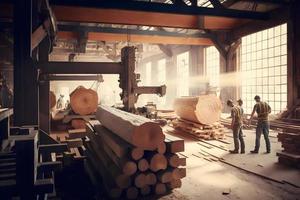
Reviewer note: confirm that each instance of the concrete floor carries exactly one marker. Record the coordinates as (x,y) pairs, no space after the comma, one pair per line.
(209,180)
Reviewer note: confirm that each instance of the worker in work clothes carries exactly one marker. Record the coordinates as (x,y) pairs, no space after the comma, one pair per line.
(236,126)
(263,110)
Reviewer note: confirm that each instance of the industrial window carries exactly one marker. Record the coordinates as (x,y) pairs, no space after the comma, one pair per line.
(264,68)
(161,78)
(212,63)
(183,74)
(148,73)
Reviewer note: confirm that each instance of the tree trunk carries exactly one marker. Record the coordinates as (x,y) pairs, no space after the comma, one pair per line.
(136,130)
(205,109)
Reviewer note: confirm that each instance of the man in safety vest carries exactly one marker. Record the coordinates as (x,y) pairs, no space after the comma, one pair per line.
(263,110)
(236,126)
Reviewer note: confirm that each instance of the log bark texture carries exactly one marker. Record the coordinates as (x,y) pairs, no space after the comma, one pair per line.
(136,130)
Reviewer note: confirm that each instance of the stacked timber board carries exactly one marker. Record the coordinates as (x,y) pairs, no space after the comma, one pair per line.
(127,170)
(291,149)
(200,131)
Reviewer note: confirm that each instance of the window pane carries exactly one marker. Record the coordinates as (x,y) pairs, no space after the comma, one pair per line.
(264,63)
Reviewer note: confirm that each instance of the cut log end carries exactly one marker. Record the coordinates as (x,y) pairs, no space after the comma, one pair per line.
(84,101)
(129,168)
(179,173)
(162,148)
(165,176)
(140,180)
(151,178)
(174,160)
(158,162)
(137,153)
(148,136)
(143,165)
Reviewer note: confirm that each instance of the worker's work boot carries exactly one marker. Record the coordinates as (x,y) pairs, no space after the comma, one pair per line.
(234,151)
(254,151)
(242,151)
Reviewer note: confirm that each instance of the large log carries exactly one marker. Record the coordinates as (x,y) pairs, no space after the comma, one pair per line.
(84,101)
(205,109)
(136,130)
(120,147)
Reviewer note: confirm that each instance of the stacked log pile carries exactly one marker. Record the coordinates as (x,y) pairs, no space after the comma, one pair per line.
(199,116)
(131,156)
(291,149)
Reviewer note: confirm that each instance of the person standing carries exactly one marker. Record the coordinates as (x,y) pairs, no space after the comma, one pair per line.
(263,110)
(236,126)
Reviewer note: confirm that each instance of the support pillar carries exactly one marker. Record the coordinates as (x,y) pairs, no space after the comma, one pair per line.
(25,72)
(293,45)
(44,90)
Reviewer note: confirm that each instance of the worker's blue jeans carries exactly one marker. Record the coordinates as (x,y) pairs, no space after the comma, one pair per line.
(262,127)
(238,135)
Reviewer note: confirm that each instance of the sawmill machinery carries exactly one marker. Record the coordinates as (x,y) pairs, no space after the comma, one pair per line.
(128,79)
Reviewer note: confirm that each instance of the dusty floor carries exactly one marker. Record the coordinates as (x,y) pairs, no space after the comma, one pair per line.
(210,180)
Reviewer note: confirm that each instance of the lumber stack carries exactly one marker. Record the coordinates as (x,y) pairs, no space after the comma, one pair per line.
(129,169)
(200,131)
(291,149)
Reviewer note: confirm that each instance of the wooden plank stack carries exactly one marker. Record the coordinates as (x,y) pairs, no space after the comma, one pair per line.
(129,169)
(291,149)
(200,131)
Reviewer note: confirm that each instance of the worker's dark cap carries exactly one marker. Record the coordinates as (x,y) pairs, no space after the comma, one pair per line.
(229,101)
(240,100)
(257,97)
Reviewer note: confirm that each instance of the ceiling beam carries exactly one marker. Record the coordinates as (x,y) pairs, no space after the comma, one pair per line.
(251,27)
(97,29)
(152,39)
(143,6)
(143,18)
(80,68)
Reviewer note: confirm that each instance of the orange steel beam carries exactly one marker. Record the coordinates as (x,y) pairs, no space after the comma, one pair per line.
(115,16)
(153,39)
(129,17)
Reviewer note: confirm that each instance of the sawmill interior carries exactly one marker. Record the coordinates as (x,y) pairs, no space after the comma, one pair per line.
(149,99)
